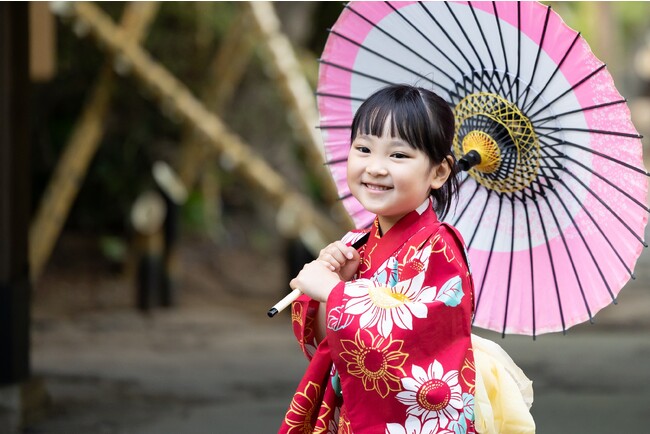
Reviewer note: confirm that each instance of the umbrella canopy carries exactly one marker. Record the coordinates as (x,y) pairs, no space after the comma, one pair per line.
(553,203)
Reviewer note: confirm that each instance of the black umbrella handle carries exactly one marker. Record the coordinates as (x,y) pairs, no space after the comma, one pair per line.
(469,160)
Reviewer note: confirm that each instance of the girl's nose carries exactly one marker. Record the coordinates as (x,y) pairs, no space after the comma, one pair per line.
(376,169)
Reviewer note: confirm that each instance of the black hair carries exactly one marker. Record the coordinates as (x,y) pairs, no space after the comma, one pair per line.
(423,120)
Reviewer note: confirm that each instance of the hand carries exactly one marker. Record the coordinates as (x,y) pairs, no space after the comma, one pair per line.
(316,280)
(341,258)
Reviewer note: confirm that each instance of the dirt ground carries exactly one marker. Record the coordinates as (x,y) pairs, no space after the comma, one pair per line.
(215,364)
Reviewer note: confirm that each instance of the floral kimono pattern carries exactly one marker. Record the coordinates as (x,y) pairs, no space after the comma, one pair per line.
(397,357)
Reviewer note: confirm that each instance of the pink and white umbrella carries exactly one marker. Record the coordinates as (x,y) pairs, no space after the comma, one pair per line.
(552,199)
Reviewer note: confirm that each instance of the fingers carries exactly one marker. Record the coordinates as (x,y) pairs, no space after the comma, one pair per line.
(336,255)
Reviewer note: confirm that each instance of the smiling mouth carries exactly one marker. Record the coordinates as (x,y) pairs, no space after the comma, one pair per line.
(376,187)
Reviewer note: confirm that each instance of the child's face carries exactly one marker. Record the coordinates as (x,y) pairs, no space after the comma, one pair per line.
(391,178)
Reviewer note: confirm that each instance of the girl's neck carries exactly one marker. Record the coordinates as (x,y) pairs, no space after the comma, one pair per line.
(385,224)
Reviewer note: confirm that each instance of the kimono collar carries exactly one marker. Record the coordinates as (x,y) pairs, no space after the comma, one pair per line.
(381,247)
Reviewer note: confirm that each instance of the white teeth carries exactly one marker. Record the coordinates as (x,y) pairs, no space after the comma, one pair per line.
(377,187)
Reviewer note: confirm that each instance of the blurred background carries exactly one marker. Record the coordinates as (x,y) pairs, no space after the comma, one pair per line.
(167,184)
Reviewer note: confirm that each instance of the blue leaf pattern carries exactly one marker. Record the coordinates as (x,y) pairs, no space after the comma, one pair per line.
(468,405)
(451,293)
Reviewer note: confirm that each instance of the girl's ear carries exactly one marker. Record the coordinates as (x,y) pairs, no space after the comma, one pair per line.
(440,173)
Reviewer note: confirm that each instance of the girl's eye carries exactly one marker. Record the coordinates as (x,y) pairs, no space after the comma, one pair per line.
(363,149)
(399,155)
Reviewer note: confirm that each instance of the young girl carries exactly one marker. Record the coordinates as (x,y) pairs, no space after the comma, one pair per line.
(387,327)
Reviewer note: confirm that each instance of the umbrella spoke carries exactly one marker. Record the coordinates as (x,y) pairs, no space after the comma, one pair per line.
(570,89)
(458,49)
(541,121)
(441,52)
(334,127)
(345,196)
(467,38)
(387,59)
(468,203)
(550,257)
(337,161)
(512,253)
(602,202)
(489,259)
(597,226)
(593,151)
(588,130)
(355,72)
(346,97)
(535,68)
(480,29)
(607,181)
(555,71)
(532,271)
(568,251)
(508,95)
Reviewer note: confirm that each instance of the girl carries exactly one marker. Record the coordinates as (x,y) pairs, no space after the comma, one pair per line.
(387,327)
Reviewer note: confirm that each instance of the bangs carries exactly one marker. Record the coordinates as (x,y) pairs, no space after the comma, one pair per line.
(407,119)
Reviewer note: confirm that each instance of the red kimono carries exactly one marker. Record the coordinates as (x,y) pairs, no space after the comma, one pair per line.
(397,357)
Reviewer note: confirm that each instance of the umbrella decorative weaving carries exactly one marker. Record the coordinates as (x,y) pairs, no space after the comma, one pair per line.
(552,199)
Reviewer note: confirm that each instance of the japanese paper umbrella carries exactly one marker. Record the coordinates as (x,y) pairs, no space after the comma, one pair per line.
(552,202)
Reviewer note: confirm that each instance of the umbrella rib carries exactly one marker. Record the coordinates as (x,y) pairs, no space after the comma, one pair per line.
(582,109)
(550,257)
(566,247)
(337,161)
(471,199)
(593,151)
(491,84)
(346,97)
(505,56)
(345,196)
(489,259)
(462,30)
(532,272)
(597,226)
(517,82)
(480,219)
(539,52)
(480,29)
(607,181)
(410,23)
(557,68)
(391,61)
(394,62)
(450,39)
(333,127)
(363,74)
(602,202)
(512,253)
(588,130)
(570,89)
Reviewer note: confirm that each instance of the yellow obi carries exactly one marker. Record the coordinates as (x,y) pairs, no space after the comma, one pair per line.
(503,394)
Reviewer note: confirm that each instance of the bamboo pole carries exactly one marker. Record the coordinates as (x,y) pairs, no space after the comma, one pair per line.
(310,224)
(298,95)
(73,164)
(224,73)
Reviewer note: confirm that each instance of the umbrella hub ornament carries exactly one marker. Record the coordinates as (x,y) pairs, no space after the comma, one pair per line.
(503,141)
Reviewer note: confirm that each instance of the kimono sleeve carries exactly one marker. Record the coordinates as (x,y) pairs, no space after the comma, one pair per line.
(449,262)
(304,311)
(303,317)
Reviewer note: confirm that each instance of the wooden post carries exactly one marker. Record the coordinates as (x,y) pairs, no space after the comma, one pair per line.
(312,225)
(71,169)
(14,193)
